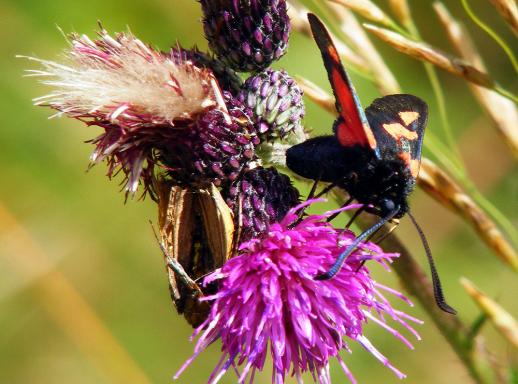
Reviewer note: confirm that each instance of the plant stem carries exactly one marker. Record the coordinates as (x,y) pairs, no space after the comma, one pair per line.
(456,333)
(491,33)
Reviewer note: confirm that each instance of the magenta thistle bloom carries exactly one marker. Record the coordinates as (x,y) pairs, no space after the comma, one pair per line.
(269,303)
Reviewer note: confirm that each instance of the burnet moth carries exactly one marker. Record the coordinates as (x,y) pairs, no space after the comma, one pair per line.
(374,154)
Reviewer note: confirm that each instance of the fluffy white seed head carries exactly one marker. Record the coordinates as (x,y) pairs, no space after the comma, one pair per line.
(126,82)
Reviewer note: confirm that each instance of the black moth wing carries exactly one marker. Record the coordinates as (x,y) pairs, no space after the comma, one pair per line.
(398,123)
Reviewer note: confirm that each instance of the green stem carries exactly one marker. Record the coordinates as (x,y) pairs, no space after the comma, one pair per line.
(506,93)
(491,33)
(441,102)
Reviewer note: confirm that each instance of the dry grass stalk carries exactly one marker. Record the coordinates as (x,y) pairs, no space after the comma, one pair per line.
(383,78)
(367,9)
(502,111)
(402,11)
(509,11)
(299,23)
(445,190)
(427,53)
(503,321)
(317,95)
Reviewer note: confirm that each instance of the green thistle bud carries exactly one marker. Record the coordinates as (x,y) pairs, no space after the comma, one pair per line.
(276,103)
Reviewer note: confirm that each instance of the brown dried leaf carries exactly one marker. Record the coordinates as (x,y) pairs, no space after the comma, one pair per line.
(427,53)
(445,190)
(502,111)
(503,321)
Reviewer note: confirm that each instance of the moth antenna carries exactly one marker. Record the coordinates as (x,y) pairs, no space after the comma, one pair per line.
(437,288)
(335,268)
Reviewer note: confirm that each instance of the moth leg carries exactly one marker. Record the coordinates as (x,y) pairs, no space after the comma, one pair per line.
(326,190)
(313,189)
(334,215)
(355,216)
(178,269)
(310,196)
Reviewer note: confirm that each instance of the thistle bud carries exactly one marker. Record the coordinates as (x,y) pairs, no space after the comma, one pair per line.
(276,103)
(259,198)
(247,35)
(217,149)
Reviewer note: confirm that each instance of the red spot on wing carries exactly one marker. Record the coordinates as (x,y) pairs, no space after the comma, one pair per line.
(412,164)
(331,50)
(351,131)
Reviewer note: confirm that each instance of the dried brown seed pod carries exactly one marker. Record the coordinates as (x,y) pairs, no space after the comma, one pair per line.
(196,235)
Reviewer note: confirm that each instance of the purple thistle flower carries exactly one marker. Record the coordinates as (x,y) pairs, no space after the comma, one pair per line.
(269,303)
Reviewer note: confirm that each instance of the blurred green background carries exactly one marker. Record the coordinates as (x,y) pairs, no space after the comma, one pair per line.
(83,291)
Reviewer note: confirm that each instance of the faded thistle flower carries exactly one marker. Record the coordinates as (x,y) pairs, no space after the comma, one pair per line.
(276,103)
(142,98)
(248,35)
(260,197)
(269,303)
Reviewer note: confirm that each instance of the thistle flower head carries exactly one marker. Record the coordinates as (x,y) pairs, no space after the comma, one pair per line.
(260,197)
(268,302)
(141,97)
(247,35)
(217,149)
(276,103)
